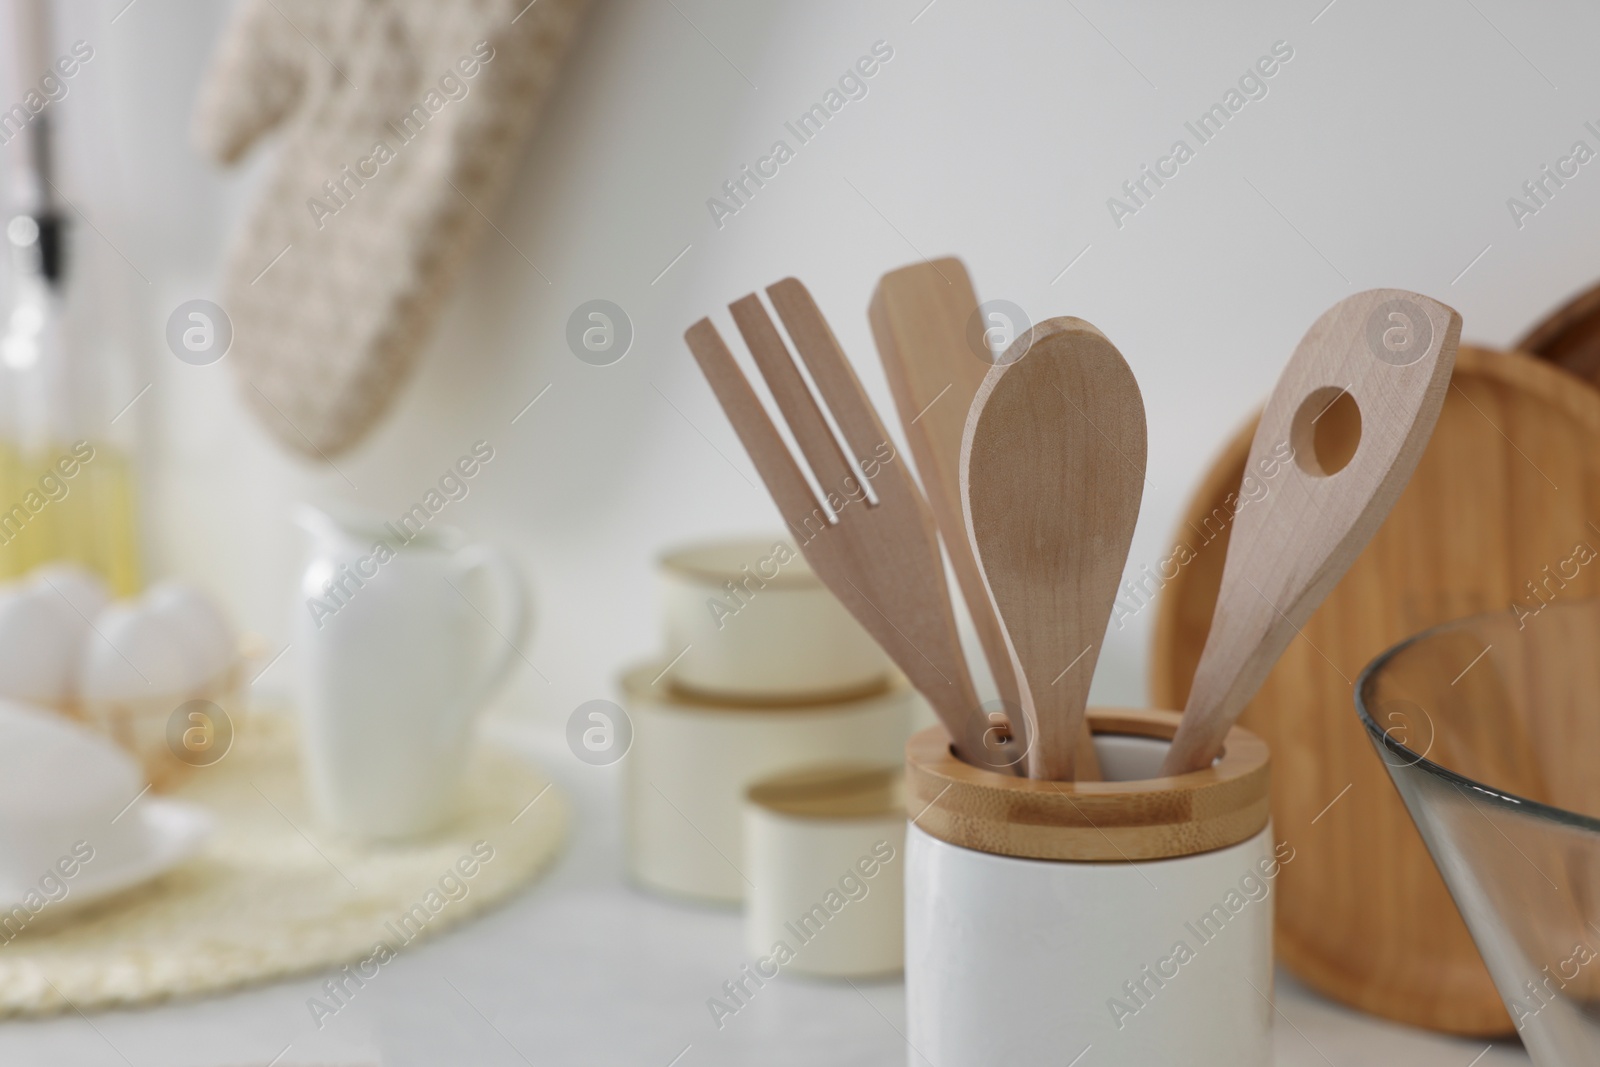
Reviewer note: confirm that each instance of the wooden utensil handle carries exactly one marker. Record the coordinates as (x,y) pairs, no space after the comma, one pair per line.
(1389,353)
(1052,471)
(920,318)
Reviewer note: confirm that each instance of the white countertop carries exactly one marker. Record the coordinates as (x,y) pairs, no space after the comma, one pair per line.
(585,969)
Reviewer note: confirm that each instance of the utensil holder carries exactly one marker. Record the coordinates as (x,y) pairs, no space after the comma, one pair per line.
(1131,916)
(692,759)
(826,854)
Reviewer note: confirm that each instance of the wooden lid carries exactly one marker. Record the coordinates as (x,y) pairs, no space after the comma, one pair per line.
(833,791)
(716,562)
(733,701)
(1156,818)
(645,683)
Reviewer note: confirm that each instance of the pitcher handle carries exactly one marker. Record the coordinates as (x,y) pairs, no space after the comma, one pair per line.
(507,578)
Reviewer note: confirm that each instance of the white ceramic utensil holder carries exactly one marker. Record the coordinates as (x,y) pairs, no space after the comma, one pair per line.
(691,761)
(759,626)
(825,852)
(1131,918)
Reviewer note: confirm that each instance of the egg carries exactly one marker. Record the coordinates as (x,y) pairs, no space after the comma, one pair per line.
(41,640)
(80,589)
(207,640)
(134,654)
(144,658)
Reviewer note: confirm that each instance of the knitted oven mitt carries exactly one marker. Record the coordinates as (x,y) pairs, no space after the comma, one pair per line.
(401,123)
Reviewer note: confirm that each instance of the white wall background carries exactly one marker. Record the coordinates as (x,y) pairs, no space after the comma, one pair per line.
(1383,156)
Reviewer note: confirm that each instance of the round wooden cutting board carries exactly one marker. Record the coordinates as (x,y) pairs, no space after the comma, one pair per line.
(1509,485)
(1569,336)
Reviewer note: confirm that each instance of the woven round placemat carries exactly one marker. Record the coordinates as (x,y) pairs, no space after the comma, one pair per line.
(272,895)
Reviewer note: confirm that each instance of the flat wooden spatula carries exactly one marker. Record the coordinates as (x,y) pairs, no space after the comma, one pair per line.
(1357,404)
(1052,472)
(920,319)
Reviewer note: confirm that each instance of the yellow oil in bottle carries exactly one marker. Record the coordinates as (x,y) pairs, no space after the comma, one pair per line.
(71,502)
(11,562)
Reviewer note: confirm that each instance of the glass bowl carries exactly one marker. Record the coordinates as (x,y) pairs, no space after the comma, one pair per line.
(1490,729)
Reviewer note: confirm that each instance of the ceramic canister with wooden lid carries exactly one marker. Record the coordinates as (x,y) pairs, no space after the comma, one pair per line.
(692,759)
(825,852)
(1131,916)
(750,623)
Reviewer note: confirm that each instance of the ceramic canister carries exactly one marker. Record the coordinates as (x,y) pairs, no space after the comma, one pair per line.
(1127,922)
(755,624)
(692,759)
(825,851)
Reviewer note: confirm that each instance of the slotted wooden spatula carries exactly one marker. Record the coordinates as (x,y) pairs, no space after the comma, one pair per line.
(1389,354)
(920,316)
(1052,472)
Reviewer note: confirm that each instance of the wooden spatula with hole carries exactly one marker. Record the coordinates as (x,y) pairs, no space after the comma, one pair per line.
(920,317)
(1357,404)
(1052,472)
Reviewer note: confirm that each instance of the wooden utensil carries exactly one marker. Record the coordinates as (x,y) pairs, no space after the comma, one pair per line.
(920,316)
(1380,360)
(1506,489)
(880,559)
(1052,472)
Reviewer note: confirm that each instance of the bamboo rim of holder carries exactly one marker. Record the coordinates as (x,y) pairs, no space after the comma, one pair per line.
(1155,818)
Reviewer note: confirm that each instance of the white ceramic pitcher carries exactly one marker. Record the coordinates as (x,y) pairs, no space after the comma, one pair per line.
(395,661)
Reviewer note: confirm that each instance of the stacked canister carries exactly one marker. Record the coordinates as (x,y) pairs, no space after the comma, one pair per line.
(767,742)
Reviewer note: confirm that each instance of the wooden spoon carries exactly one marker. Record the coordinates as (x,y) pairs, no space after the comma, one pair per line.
(920,315)
(1052,472)
(1374,368)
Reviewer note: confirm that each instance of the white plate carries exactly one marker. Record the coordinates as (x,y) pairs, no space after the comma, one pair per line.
(174,831)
